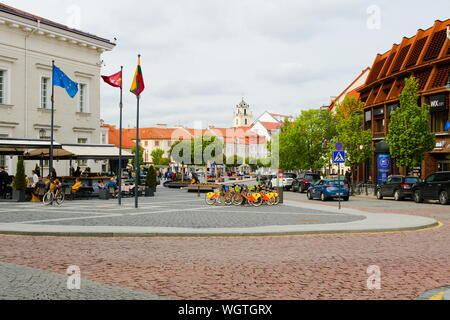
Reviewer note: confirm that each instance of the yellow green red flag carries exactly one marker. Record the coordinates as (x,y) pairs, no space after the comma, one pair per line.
(138,85)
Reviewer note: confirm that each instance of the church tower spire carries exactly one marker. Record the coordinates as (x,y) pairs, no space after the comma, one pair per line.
(243,117)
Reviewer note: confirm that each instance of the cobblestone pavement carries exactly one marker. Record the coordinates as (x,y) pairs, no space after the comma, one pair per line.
(172,208)
(23,283)
(289,267)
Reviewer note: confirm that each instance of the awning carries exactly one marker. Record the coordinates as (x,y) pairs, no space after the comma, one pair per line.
(83,152)
(11,147)
(382,147)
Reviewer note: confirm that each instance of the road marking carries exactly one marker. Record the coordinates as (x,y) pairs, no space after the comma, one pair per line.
(439,296)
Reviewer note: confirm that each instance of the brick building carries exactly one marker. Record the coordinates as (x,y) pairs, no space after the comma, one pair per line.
(426,56)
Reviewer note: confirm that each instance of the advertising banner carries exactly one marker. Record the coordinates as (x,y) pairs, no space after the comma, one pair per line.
(384,168)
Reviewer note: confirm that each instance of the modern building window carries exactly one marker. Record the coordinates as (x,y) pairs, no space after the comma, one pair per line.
(83,102)
(379,125)
(45,93)
(2,87)
(438,121)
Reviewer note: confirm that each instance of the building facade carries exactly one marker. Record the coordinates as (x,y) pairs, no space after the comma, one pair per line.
(243,117)
(426,56)
(28,44)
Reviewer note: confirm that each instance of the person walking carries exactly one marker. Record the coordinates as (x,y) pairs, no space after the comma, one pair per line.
(4,177)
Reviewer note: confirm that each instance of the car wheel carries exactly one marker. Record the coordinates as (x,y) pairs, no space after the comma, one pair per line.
(379,195)
(310,197)
(301,190)
(346,199)
(443,198)
(418,196)
(397,196)
(323,197)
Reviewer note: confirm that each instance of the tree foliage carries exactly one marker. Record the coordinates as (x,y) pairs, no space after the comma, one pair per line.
(350,131)
(19,182)
(141,157)
(409,131)
(301,141)
(150,181)
(157,156)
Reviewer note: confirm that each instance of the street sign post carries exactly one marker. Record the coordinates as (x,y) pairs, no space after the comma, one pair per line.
(339,158)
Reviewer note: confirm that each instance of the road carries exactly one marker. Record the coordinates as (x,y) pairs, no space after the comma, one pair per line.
(284,267)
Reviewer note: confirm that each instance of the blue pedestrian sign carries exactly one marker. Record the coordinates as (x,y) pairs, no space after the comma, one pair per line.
(339,157)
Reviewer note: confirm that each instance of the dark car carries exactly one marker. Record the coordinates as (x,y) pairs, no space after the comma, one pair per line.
(304,181)
(434,187)
(399,187)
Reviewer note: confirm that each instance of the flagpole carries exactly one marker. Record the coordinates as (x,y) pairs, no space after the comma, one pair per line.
(136,188)
(121,141)
(50,167)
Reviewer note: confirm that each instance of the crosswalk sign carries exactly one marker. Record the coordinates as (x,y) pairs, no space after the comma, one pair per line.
(339,157)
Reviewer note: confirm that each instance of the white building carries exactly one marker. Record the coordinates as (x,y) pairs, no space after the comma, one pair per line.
(28,44)
(243,117)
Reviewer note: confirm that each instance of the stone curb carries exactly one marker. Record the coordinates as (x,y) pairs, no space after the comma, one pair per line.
(373,223)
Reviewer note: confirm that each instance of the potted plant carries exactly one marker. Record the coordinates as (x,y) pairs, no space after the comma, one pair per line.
(19,183)
(150,182)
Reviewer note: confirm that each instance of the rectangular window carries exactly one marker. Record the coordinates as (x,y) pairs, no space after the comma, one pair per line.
(83,99)
(2,87)
(2,161)
(379,125)
(82,140)
(45,93)
(438,121)
(156,143)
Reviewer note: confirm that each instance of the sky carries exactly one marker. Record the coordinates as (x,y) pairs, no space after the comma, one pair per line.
(201,57)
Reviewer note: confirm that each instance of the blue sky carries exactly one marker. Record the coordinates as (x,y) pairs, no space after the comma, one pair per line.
(200,57)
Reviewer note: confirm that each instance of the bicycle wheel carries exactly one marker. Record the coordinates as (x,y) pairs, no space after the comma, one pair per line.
(210,201)
(258,202)
(48,198)
(238,199)
(59,198)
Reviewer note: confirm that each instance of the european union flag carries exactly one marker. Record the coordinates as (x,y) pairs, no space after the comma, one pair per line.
(61,80)
(447,126)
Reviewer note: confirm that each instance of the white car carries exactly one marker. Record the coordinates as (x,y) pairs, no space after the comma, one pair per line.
(286,182)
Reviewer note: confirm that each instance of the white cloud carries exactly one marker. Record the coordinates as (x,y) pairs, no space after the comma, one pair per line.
(199,57)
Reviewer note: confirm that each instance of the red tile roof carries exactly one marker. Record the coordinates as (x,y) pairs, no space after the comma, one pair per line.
(271,126)
(114,137)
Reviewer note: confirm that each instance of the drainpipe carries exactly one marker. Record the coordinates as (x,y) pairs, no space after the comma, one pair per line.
(26,75)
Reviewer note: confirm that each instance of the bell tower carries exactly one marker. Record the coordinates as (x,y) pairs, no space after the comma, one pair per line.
(243,117)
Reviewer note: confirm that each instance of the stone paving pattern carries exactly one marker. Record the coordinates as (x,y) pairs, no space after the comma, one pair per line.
(23,283)
(285,267)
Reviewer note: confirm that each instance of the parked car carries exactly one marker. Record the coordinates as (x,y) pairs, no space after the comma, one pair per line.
(288,179)
(304,181)
(327,189)
(434,187)
(399,187)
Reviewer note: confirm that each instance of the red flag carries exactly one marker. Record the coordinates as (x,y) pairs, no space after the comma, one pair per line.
(115,80)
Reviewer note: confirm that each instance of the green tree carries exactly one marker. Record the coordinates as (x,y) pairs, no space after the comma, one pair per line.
(157,156)
(350,131)
(19,182)
(150,181)
(409,131)
(141,160)
(301,141)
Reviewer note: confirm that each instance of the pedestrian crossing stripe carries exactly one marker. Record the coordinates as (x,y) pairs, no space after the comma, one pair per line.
(339,157)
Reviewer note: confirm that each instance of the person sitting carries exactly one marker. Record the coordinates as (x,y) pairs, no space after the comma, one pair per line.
(76,187)
(101,185)
(77,173)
